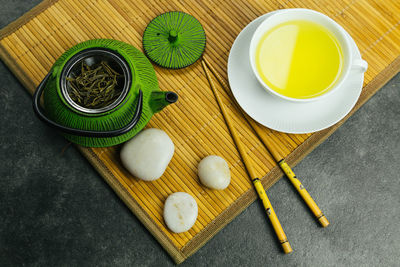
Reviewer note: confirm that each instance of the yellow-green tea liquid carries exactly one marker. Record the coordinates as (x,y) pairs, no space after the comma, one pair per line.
(299,59)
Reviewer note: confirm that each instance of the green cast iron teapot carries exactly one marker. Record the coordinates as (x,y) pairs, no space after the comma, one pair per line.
(115,123)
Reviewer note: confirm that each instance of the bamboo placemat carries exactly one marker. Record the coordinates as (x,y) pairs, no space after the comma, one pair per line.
(30,45)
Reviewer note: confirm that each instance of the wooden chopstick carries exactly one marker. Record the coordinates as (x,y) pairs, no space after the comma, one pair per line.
(289,173)
(271,147)
(256,181)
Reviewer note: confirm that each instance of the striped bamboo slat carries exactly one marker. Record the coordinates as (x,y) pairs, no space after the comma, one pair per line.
(30,46)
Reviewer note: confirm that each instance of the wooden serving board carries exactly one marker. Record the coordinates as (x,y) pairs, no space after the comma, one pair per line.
(30,45)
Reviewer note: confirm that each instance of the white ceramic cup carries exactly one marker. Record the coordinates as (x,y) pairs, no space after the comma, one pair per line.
(282,16)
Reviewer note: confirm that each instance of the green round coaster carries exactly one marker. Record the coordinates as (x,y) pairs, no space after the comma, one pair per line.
(174,40)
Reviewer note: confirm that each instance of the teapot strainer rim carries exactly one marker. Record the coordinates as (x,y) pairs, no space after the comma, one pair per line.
(84,55)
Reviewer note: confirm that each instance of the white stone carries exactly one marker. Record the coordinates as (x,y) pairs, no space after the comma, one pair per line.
(147,155)
(180,212)
(214,172)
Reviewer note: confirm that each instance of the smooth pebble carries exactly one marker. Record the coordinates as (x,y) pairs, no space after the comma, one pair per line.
(180,212)
(147,155)
(214,172)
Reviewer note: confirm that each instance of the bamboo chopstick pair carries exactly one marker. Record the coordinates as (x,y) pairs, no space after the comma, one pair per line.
(273,150)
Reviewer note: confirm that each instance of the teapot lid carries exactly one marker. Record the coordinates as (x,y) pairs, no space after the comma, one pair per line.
(174,40)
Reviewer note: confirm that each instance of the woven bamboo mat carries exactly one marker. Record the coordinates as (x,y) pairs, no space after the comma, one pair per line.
(30,45)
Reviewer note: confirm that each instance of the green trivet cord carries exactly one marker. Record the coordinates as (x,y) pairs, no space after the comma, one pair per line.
(174,40)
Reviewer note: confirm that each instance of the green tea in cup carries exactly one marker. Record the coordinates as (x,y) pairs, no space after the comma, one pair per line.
(299,59)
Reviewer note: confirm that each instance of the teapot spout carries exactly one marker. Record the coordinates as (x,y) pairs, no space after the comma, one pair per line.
(161,99)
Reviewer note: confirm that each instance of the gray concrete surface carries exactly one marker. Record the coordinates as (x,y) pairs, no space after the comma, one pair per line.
(49,217)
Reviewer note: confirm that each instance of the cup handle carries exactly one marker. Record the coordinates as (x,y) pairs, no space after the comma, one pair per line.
(360,64)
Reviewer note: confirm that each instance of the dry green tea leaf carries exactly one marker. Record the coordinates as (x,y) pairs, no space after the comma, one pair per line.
(95,87)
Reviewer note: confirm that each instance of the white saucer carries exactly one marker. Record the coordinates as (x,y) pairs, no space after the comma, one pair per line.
(283,115)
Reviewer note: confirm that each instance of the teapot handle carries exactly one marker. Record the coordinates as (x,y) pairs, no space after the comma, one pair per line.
(87,133)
